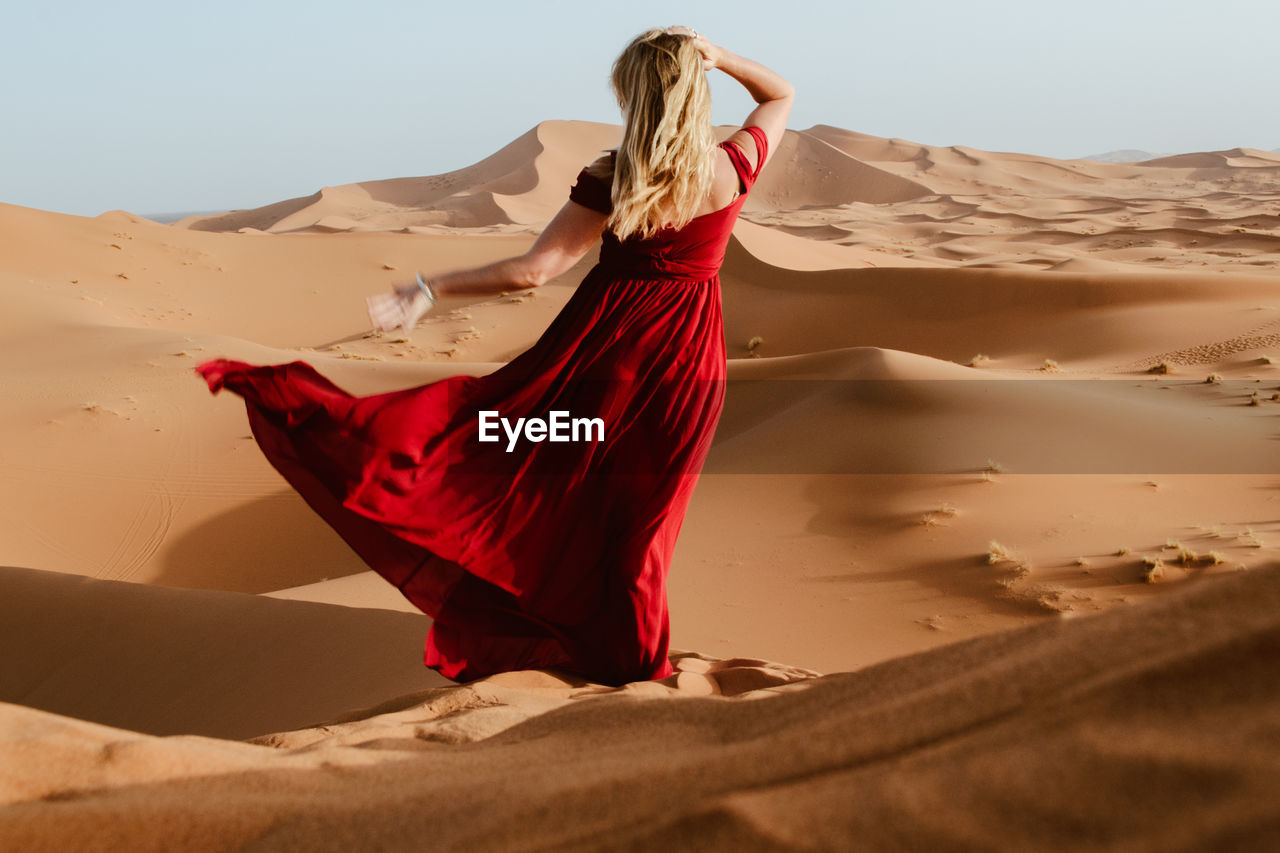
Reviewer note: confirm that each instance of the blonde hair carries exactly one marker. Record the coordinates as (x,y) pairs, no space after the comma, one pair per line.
(664,165)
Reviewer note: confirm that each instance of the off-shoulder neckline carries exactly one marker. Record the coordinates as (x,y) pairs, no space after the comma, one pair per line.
(613,153)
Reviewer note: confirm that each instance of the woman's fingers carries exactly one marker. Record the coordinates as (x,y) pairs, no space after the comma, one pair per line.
(385,312)
(402,308)
(377,313)
(700,41)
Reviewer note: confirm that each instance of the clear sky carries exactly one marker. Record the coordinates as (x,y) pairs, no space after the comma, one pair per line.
(178,106)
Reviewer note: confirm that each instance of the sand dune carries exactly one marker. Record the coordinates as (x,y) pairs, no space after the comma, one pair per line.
(914,415)
(971,392)
(167,661)
(896,202)
(1155,726)
(1008,210)
(522,184)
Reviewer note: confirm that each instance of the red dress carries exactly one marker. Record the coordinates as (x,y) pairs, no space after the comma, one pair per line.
(554,554)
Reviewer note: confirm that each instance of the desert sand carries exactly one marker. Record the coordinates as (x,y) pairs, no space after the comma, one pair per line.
(984,555)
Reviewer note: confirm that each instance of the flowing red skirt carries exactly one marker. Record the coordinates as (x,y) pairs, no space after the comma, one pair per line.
(554,554)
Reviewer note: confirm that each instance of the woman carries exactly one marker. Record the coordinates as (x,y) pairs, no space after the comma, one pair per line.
(527,553)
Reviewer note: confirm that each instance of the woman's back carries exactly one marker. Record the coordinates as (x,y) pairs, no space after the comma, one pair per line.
(694,252)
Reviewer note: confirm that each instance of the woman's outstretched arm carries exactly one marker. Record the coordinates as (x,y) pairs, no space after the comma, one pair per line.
(564,241)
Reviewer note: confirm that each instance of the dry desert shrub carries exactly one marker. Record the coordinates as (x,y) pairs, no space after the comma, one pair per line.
(1038,596)
(980,360)
(1161,369)
(997,553)
(935,516)
(1249,539)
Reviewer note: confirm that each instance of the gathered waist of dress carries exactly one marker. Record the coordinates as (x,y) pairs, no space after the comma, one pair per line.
(650,273)
(657,266)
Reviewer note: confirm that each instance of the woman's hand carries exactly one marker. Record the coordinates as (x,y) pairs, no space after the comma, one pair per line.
(403,307)
(710,53)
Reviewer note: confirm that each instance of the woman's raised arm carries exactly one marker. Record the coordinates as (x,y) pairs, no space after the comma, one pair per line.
(771,92)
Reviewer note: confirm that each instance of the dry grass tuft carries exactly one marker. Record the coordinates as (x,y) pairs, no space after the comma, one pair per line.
(1161,369)
(1122,550)
(1017,571)
(1049,366)
(997,553)
(1152,570)
(934,516)
(980,360)
(1249,539)
(1213,379)
(1011,569)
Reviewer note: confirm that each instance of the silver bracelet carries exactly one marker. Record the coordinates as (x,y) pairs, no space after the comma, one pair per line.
(426,290)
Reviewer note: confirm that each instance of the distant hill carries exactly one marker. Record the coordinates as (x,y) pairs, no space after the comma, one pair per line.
(170,218)
(1134,155)
(1124,155)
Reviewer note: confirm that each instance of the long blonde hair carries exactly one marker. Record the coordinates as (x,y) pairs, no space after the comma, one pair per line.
(664,165)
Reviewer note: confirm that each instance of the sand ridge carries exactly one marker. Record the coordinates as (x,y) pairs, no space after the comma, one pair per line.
(1128,726)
